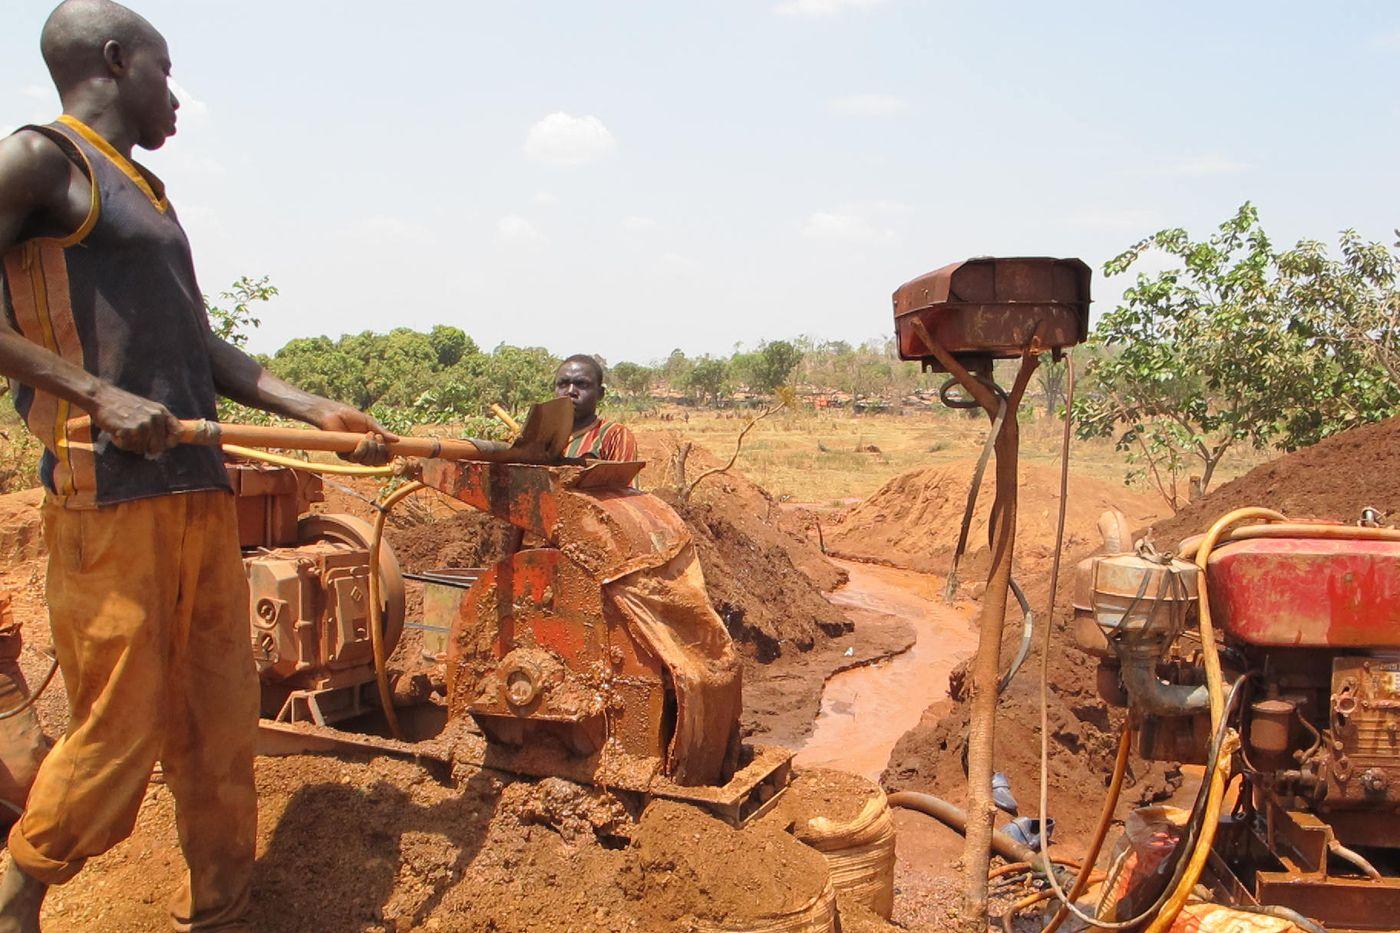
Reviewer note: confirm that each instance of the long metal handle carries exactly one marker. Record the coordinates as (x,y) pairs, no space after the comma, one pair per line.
(214,433)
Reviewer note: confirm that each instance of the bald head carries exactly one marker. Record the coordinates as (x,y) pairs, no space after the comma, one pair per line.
(76,35)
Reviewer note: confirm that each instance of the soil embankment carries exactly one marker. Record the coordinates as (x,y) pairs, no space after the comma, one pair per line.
(913,520)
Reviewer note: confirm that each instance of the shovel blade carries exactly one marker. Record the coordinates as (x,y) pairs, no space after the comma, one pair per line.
(547,429)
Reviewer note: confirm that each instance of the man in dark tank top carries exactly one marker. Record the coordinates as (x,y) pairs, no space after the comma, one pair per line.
(148,602)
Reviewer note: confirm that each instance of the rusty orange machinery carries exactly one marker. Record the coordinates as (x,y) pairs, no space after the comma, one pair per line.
(592,653)
(1310,615)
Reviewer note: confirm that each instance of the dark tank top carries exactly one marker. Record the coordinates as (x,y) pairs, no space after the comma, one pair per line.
(118,297)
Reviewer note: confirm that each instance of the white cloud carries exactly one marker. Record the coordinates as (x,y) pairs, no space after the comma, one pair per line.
(868,105)
(513,228)
(190,106)
(39,92)
(822,7)
(544,198)
(564,139)
(638,224)
(674,264)
(845,227)
(1201,165)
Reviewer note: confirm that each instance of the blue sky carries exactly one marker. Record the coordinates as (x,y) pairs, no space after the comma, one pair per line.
(628,177)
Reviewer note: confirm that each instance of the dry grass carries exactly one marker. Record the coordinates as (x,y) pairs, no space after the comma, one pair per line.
(819,457)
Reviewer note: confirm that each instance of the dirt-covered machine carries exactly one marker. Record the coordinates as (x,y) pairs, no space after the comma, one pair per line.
(308,609)
(592,652)
(1306,616)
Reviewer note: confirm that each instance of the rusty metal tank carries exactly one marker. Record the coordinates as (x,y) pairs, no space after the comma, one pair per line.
(993,308)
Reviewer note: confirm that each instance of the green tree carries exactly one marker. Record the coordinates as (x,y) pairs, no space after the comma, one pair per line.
(632,379)
(233,322)
(676,370)
(708,378)
(519,376)
(1231,346)
(319,365)
(773,364)
(451,344)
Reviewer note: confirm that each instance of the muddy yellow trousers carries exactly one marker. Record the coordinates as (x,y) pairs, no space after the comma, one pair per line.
(149,608)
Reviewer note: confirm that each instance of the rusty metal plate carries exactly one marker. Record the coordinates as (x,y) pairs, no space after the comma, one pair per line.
(1338,903)
(993,307)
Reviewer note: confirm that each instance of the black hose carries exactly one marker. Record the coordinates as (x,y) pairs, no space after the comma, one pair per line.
(954,818)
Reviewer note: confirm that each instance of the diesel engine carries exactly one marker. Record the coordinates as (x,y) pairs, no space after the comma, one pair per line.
(1307,622)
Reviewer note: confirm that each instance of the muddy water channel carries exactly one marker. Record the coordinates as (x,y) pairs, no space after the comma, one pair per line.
(865,710)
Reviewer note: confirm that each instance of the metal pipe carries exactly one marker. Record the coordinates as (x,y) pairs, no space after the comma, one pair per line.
(1148,693)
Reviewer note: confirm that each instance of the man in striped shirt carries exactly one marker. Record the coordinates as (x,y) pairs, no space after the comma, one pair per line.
(580,378)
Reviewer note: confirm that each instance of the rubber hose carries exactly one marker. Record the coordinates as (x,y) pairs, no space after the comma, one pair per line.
(1211,658)
(1110,804)
(955,819)
(376,611)
(1286,529)
(1355,858)
(337,469)
(1285,913)
(1027,635)
(33,697)
(1177,856)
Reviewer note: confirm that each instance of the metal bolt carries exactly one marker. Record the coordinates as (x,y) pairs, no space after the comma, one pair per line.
(520,690)
(267,611)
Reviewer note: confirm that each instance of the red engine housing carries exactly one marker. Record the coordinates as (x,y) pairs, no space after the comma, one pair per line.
(1307,592)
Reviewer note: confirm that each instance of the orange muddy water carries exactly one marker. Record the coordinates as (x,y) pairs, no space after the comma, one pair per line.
(865,710)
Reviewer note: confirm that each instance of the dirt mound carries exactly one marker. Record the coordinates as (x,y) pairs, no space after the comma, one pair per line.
(21,530)
(464,539)
(768,605)
(381,844)
(1333,479)
(742,501)
(913,520)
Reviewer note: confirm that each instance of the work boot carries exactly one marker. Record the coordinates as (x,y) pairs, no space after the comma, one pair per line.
(21,897)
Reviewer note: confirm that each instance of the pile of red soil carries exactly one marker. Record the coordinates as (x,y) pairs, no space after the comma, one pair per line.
(381,844)
(913,520)
(1333,479)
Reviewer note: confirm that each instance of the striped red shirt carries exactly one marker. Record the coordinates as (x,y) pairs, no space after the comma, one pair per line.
(605,440)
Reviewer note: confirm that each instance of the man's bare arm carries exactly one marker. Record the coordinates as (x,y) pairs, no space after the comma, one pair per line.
(34,183)
(241,378)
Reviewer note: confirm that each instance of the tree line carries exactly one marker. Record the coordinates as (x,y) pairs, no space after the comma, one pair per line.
(1236,343)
